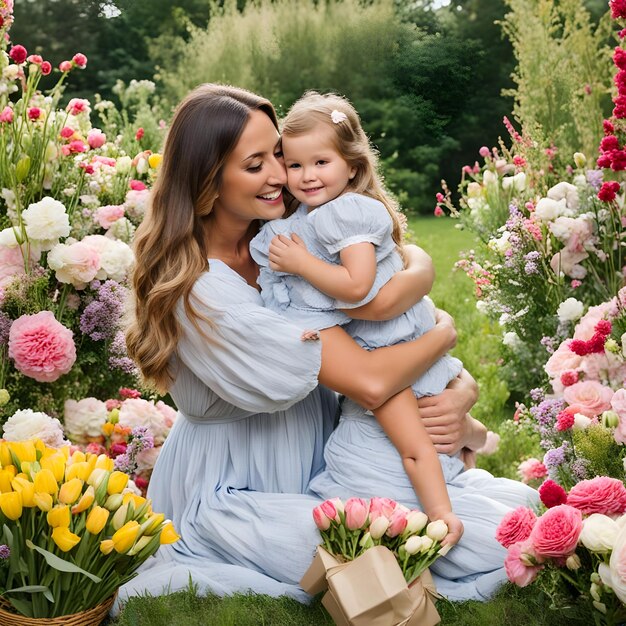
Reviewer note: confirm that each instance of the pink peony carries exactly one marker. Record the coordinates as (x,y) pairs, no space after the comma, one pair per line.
(138,412)
(65,66)
(18,54)
(516,526)
(531,469)
(517,572)
(599,495)
(96,138)
(556,532)
(6,115)
(12,264)
(80,59)
(41,347)
(591,397)
(563,360)
(147,458)
(107,215)
(356,510)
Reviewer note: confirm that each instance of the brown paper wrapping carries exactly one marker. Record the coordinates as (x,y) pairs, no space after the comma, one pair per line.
(371,590)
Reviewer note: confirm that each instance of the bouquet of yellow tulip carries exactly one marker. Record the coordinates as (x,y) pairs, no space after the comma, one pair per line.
(74,536)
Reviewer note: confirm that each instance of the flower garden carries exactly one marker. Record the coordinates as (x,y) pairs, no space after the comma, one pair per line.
(81,435)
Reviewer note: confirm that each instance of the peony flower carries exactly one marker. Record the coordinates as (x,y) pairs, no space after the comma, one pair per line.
(77,264)
(96,138)
(84,419)
(599,533)
(41,347)
(116,257)
(107,215)
(599,495)
(147,458)
(565,191)
(614,575)
(12,263)
(556,532)
(516,570)
(570,310)
(561,361)
(548,209)
(138,412)
(46,222)
(516,526)
(26,425)
(552,494)
(591,397)
(531,469)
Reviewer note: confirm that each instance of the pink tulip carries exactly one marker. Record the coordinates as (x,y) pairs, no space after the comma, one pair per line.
(329,509)
(320,519)
(397,523)
(356,513)
(381,506)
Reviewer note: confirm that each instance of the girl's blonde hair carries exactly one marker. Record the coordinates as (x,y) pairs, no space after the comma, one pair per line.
(170,244)
(350,141)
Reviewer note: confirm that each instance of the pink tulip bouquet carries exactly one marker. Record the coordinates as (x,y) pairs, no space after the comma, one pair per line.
(349,529)
(576,550)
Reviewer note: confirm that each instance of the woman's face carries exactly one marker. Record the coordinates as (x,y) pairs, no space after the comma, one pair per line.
(254,173)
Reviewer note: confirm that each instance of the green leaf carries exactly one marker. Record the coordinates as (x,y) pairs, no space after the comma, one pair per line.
(60,564)
(22,606)
(34,589)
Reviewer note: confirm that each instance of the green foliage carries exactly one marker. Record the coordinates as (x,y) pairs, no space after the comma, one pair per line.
(598,446)
(563,74)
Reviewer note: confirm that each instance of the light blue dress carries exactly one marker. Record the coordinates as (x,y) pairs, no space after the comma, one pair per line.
(230,477)
(360,460)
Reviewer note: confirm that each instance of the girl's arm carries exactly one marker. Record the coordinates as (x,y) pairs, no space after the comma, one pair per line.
(399,417)
(371,378)
(350,282)
(403,291)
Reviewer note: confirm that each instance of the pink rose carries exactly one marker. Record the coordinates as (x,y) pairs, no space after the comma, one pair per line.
(381,506)
(65,66)
(618,402)
(517,572)
(356,510)
(107,215)
(531,469)
(41,347)
(96,138)
(76,106)
(80,59)
(516,526)
(563,360)
(556,532)
(6,115)
(397,523)
(586,327)
(591,396)
(599,495)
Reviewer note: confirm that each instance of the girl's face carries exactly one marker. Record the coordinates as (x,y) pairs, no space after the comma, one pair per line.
(316,172)
(254,173)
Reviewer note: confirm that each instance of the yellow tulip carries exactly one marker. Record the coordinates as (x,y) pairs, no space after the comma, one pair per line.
(59,516)
(46,482)
(41,446)
(154,160)
(25,466)
(70,491)
(56,464)
(24,450)
(125,537)
(11,504)
(91,461)
(96,520)
(113,502)
(150,526)
(5,481)
(5,454)
(119,519)
(142,542)
(26,488)
(66,452)
(138,501)
(80,470)
(43,501)
(107,429)
(64,538)
(78,457)
(106,546)
(105,462)
(97,476)
(85,502)
(168,534)
(117,482)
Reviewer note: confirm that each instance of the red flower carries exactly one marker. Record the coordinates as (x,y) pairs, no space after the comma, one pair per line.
(125,393)
(619,58)
(77,146)
(610,142)
(608,127)
(552,494)
(18,54)
(65,66)
(80,59)
(139,134)
(87,167)
(596,343)
(564,421)
(34,113)
(603,327)
(35,58)
(438,211)
(618,8)
(46,68)
(137,185)
(608,191)
(579,347)
(604,161)
(570,377)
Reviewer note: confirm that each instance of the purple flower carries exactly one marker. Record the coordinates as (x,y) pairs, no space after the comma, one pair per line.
(579,468)
(101,317)
(5,551)
(554,458)
(531,268)
(594,178)
(537,394)
(5,327)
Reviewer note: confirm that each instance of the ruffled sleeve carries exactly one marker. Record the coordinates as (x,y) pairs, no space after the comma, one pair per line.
(254,358)
(351,219)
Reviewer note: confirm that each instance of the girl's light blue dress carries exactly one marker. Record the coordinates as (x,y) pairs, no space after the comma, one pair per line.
(360,459)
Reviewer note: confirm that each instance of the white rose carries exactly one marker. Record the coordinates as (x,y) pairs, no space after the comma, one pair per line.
(599,533)
(85,418)
(27,424)
(570,310)
(519,181)
(46,221)
(116,259)
(511,339)
(76,264)
(581,422)
(565,191)
(548,209)
(437,530)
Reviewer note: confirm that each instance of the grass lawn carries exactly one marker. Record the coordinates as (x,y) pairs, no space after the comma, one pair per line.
(477,348)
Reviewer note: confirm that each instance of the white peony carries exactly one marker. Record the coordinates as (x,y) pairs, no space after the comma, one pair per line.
(76,264)
(46,222)
(136,412)
(614,574)
(117,259)
(27,424)
(565,191)
(8,238)
(548,209)
(570,310)
(84,418)
(511,340)
(599,533)
(581,422)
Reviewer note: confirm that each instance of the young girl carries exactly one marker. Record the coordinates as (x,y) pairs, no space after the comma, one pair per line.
(335,253)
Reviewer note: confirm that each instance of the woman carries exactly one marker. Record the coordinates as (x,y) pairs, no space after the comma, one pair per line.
(234,472)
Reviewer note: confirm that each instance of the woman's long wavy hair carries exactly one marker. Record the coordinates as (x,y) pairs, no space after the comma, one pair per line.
(350,141)
(170,244)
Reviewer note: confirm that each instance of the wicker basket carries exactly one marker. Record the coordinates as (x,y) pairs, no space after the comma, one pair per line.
(91,617)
